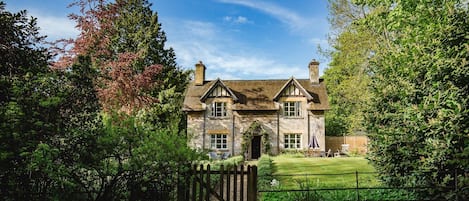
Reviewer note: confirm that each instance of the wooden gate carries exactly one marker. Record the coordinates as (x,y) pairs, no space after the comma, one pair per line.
(223,184)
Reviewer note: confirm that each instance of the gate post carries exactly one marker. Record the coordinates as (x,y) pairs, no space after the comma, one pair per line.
(252,183)
(207,196)
(254,175)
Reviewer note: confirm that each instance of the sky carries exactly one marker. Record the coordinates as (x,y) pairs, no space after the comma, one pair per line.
(235,39)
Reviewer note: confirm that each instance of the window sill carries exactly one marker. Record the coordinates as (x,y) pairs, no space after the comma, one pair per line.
(292,117)
(219,118)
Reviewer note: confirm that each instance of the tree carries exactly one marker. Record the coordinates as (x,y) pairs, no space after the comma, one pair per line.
(347,75)
(56,143)
(127,36)
(124,155)
(30,105)
(139,30)
(419,112)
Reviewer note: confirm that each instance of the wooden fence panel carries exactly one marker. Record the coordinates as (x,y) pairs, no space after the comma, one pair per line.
(224,184)
(357,144)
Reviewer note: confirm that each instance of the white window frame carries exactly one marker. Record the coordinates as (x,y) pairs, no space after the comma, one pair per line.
(292,141)
(292,108)
(219,141)
(218,109)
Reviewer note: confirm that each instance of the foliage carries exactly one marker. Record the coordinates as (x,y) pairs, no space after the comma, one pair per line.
(264,171)
(139,31)
(419,116)
(228,163)
(255,129)
(29,104)
(127,46)
(346,77)
(340,194)
(55,141)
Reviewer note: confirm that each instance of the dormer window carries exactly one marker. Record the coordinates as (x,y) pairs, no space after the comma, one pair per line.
(218,109)
(292,109)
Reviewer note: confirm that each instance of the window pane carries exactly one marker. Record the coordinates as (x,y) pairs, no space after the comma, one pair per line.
(219,109)
(292,108)
(292,141)
(218,141)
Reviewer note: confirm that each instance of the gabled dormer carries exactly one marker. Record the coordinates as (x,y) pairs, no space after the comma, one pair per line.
(218,90)
(293,98)
(218,97)
(292,88)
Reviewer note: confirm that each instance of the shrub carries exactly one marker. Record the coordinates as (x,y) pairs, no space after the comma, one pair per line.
(264,172)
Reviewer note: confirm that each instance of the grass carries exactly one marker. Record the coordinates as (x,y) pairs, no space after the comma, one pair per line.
(294,171)
(306,179)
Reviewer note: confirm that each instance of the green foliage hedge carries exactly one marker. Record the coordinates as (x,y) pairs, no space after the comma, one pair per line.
(264,171)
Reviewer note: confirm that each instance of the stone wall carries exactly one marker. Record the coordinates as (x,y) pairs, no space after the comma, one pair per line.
(200,126)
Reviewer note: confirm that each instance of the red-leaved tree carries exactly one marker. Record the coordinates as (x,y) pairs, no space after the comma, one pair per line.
(120,86)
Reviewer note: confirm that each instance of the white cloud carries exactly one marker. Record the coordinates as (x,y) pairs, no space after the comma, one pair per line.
(241,20)
(292,19)
(237,20)
(221,56)
(228,18)
(56,27)
(199,29)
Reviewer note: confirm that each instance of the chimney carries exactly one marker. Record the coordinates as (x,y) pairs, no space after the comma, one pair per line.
(314,72)
(199,73)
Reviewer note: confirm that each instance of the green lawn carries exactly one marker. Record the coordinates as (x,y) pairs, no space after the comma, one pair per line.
(299,180)
(337,172)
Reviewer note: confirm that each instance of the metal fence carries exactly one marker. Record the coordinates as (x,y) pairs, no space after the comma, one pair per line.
(342,186)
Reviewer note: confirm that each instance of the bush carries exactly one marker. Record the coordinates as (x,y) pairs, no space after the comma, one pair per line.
(326,195)
(265,171)
(228,163)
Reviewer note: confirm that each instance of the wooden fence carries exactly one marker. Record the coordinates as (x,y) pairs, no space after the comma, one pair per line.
(357,144)
(223,184)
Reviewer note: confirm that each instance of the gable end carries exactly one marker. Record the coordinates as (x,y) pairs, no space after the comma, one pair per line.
(293,88)
(218,89)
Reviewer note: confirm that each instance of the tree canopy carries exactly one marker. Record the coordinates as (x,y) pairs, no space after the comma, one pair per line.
(418,68)
(98,123)
(347,75)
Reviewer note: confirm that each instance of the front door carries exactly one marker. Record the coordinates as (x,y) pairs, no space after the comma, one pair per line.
(256,147)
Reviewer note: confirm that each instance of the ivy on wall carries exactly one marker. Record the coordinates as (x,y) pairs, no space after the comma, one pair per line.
(256,129)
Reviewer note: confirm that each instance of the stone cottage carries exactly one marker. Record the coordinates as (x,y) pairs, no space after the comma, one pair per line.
(252,117)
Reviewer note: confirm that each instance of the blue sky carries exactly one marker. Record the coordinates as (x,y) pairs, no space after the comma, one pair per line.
(236,39)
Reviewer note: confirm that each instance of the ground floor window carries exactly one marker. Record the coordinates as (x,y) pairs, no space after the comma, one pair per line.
(218,141)
(293,141)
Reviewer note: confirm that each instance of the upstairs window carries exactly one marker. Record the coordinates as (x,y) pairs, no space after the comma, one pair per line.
(292,109)
(218,109)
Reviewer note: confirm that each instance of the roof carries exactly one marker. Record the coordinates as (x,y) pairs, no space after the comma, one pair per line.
(256,94)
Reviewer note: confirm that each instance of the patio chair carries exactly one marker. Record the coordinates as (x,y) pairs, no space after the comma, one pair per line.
(225,155)
(328,154)
(337,154)
(213,155)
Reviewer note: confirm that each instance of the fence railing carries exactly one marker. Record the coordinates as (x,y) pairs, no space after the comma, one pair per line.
(341,186)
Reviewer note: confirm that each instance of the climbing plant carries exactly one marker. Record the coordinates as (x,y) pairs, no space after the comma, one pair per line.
(255,129)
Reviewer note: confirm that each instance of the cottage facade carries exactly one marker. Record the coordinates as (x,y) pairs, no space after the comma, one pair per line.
(254,116)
